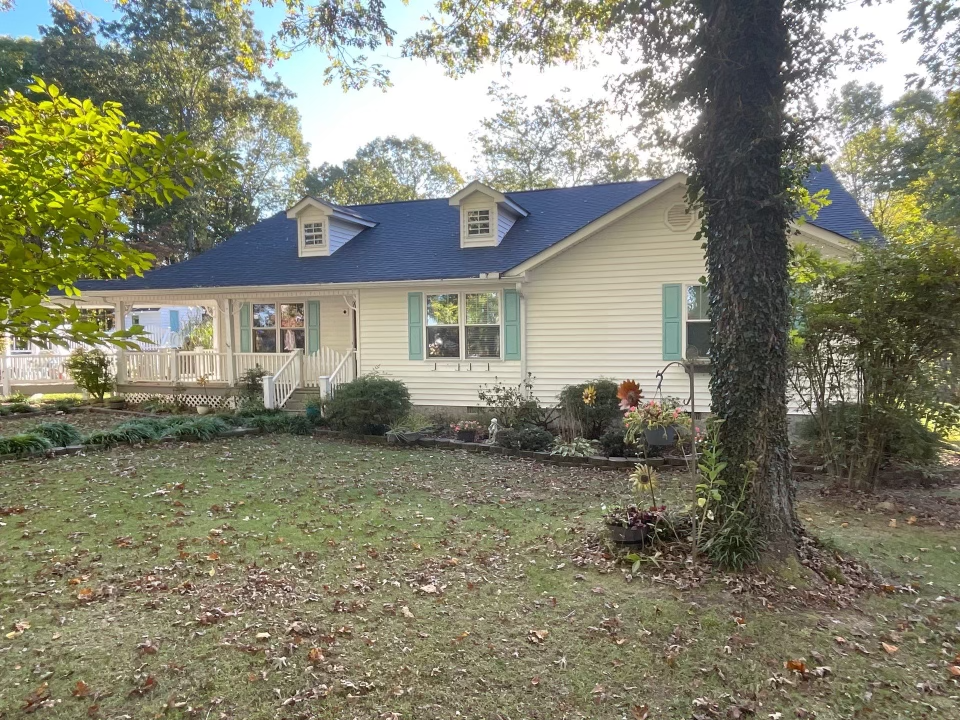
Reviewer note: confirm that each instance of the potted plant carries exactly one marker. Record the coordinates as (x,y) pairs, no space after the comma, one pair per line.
(634,524)
(202,409)
(314,410)
(466,430)
(660,423)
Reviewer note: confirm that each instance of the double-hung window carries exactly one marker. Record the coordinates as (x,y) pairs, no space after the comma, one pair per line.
(698,320)
(278,327)
(463,325)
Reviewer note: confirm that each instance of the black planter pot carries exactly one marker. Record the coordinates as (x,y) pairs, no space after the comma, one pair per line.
(467,436)
(629,535)
(661,437)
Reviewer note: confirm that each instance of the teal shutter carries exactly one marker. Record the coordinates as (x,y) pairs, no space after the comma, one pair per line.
(174,321)
(245,327)
(415,325)
(672,322)
(313,326)
(511,325)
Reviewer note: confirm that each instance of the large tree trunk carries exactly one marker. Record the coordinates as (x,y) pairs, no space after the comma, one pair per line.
(739,149)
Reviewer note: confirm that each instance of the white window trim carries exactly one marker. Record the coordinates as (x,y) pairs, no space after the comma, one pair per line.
(462,325)
(490,238)
(322,248)
(687,319)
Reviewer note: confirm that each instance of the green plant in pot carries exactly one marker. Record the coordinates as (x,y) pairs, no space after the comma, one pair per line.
(638,524)
(410,429)
(203,408)
(467,430)
(314,410)
(660,424)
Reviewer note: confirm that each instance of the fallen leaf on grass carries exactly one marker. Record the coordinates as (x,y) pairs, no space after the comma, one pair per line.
(430,589)
(405,611)
(537,636)
(148,685)
(315,655)
(18,629)
(85,594)
(954,670)
(640,712)
(797,666)
(888,648)
(81,689)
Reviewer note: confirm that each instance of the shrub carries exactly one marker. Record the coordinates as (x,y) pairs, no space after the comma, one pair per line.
(24,444)
(299,425)
(908,439)
(60,434)
(142,429)
(527,437)
(250,389)
(514,406)
(613,442)
(578,447)
(20,407)
(369,405)
(90,370)
(589,408)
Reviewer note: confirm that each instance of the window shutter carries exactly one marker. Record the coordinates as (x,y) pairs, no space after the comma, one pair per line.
(672,322)
(313,326)
(511,325)
(415,325)
(174,321)
(245,327)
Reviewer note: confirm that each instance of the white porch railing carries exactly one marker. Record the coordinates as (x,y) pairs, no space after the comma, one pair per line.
(278,388)
(342,373)
(176,366)
(269,362)
(320,364)
(35,368)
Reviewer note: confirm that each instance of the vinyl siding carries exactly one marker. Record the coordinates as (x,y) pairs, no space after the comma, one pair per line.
(595,310)
(383,347)
(505,221)
(335,325)
(341,232)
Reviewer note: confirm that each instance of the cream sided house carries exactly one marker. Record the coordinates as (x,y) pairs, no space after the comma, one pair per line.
(451,294)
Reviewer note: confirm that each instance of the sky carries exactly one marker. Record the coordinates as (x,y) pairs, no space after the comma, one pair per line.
(445,111)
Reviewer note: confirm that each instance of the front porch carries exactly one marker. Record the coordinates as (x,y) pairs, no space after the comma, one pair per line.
(298,341)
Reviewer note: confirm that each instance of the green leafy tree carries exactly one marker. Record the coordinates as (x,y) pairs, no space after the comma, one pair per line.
(70,173)
(557,144)
(385,170)
(193,67)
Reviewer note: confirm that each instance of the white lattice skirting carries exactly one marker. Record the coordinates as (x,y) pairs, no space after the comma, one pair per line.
(188,399)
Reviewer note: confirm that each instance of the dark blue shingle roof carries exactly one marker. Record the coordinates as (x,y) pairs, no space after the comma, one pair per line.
(420,240)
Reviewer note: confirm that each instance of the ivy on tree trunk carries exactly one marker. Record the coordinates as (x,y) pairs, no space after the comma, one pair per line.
(739,147)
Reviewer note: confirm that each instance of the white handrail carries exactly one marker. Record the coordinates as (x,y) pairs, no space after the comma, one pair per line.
(278,388)
(343,373)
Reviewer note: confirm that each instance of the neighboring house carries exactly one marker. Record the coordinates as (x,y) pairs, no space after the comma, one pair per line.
(450,294)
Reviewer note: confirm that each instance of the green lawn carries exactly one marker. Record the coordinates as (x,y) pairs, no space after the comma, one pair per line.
(287,577)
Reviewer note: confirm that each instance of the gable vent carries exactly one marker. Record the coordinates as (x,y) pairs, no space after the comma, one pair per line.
(678,218)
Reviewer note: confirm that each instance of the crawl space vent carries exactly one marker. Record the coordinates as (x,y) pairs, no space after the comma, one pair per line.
(677,217)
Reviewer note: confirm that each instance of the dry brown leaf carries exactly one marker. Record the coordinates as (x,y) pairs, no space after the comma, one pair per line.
(797,666)
(954,670)
(640,712)
(537,636)
(888,648)
(81,689)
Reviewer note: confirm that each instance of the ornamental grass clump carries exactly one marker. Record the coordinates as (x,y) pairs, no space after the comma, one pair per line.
(24,444)
(61,434)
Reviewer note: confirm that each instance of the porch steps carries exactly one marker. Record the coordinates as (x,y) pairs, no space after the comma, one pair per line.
(297,403)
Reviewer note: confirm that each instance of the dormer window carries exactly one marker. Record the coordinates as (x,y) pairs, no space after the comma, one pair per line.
(478,222)
(323,228)
(486,215)
(313,234)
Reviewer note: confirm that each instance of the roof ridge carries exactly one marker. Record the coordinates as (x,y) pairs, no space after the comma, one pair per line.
(516,192)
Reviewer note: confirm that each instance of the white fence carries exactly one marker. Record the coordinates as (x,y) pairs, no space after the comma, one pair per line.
(278,388)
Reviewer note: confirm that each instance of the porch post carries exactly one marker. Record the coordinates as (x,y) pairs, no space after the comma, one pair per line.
(5,369)
(120,321)
(225,311)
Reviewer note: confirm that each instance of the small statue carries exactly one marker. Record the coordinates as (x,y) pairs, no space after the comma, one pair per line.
(492,431)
